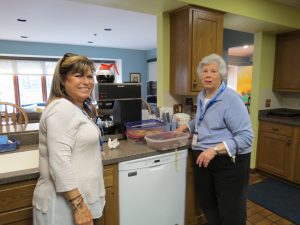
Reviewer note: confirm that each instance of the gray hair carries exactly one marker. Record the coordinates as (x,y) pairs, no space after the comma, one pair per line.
(214,58)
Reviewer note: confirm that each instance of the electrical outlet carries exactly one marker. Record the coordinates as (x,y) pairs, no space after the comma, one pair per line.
(268,103)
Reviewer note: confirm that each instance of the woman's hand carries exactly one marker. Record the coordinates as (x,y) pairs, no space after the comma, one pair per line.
(82,214)
(205,157)
(181,128)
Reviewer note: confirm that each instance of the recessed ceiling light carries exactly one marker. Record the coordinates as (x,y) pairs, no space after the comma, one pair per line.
(21,20)
(90,42)
(107,29)
(24,36)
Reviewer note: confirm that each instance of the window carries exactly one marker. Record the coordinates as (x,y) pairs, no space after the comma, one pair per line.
(6,87)
(30,89)
(28,80)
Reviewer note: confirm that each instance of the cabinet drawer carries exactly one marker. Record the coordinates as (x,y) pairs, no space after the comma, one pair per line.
(108,176)
(276,128)
(15,196)
(20,216)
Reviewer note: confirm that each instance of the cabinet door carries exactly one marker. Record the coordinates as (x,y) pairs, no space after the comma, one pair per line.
(194,33)
(274,154)
(193,212)
(206,39)
(108,216)
(287,65)
(15,203)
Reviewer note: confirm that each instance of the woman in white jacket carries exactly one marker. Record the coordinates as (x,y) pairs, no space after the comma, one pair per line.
(70,189)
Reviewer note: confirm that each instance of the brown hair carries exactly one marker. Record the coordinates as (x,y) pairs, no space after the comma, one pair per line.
(70,63)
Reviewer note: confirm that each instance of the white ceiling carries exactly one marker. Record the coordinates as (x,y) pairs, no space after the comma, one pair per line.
(68,22)
(79,21)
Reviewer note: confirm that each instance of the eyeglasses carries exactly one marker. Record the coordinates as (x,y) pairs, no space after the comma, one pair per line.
(66,55)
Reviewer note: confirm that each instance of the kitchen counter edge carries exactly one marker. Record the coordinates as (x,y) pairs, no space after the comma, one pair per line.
(124,152)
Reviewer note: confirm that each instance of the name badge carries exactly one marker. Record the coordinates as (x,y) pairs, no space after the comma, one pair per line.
(195,137)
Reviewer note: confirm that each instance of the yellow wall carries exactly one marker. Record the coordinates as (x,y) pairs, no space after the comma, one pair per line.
(262,78)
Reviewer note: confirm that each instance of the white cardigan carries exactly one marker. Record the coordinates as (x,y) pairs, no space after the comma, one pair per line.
(70,155)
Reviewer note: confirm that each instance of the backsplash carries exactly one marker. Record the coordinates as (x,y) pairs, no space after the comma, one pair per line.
(279,100)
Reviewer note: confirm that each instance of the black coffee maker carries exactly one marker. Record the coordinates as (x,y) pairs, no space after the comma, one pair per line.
(119,102)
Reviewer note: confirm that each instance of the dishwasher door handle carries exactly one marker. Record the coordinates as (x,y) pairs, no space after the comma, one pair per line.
(156,167)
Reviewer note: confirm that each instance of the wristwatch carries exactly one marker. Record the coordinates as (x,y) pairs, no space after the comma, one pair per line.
(218,151)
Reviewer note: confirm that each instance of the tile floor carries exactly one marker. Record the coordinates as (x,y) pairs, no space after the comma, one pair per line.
(258,215)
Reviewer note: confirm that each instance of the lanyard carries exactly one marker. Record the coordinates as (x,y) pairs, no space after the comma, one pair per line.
(209,104)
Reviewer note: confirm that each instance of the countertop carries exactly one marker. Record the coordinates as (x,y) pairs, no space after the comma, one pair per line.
(294,121)
(124,152)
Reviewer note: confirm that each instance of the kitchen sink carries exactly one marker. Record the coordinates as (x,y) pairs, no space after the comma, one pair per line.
(19,161)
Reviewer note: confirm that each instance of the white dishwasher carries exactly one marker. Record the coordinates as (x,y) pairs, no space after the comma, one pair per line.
(152,190)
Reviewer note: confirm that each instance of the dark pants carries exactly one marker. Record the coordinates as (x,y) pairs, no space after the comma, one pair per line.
(222,189)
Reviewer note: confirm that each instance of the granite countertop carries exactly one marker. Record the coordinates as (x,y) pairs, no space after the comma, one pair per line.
(124,152)
(264,116)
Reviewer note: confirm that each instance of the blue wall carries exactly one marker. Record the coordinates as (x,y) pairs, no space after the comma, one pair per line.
(233,38)
(151,54)
(132,60)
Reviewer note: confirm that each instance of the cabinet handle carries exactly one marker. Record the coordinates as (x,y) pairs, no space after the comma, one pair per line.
(275,129)
(289,141)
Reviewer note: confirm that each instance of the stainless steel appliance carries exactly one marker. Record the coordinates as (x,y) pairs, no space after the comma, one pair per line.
(120,101)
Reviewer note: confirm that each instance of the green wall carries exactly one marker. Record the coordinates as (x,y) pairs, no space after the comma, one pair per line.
(262,78)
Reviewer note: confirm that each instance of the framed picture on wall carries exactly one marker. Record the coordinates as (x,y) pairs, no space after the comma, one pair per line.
(135,77)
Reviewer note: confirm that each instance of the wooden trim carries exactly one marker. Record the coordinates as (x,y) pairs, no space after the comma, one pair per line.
(44,88)
(16,90)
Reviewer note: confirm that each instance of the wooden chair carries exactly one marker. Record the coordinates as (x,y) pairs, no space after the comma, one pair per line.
(12,114)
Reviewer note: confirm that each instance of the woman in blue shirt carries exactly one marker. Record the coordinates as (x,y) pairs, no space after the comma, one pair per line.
(222,139)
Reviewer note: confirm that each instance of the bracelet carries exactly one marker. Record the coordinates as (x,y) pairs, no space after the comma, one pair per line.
(77,203)
(72,199)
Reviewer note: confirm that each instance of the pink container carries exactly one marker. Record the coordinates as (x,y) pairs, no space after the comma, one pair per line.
(167,140)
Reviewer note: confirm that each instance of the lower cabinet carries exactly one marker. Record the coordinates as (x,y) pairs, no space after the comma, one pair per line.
(193,213)
(16,200)
(297,159)
(15,203)
(111,210)
(278,150)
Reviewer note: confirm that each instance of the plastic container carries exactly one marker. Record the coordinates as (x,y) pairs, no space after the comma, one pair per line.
(140,129)
(135,139)
(167,140)
(9,147)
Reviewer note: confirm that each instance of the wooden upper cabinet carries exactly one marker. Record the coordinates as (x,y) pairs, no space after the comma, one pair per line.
(287,66)
(194,33)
